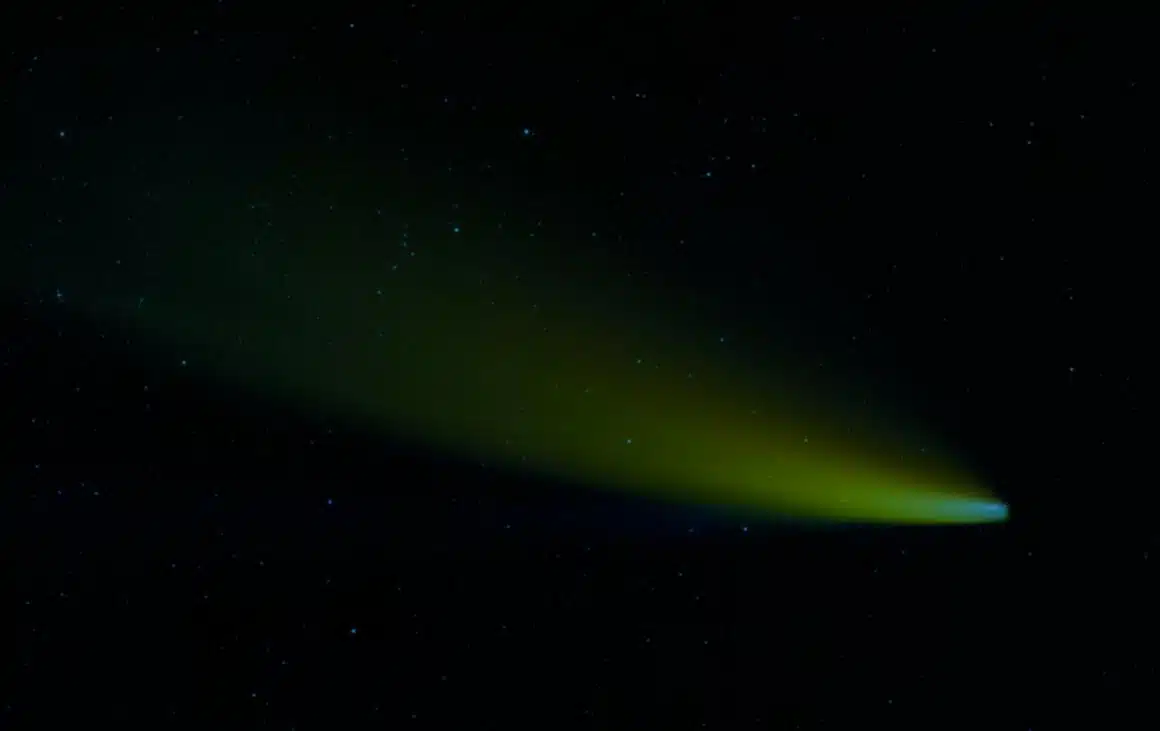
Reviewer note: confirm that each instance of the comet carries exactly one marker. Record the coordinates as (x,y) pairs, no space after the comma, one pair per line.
(507,349)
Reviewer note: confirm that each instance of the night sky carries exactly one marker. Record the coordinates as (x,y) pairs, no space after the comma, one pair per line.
(610,366)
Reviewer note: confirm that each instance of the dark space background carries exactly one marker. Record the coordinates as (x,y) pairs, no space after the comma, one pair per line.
(964,192)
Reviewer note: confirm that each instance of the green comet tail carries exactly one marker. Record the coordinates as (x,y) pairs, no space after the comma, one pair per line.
(503,353)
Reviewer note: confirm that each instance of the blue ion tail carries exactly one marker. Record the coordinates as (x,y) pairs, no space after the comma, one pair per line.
(962,510)
(909,507)
(983,511)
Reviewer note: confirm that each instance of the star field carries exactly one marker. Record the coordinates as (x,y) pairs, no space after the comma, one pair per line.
(385,368)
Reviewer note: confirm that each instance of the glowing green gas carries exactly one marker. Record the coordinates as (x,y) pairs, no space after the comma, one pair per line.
(497,351)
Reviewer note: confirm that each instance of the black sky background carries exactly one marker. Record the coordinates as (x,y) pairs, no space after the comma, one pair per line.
(192,556)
